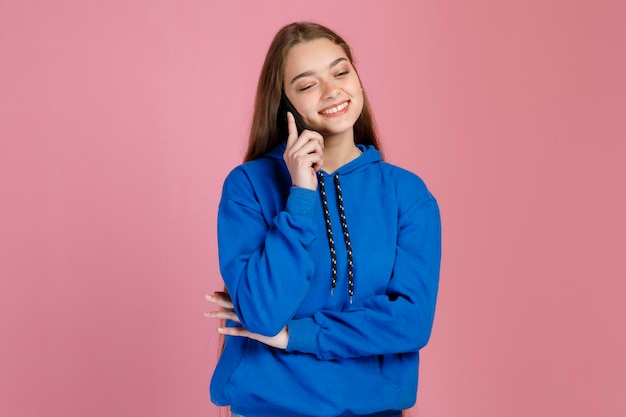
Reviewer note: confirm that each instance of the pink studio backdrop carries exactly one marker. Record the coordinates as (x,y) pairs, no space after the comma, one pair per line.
(120,119)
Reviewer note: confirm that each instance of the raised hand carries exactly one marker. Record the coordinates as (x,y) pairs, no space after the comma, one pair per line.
(304,155)
(226,312)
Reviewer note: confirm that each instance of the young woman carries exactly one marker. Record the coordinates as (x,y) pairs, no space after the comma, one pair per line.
(330,256)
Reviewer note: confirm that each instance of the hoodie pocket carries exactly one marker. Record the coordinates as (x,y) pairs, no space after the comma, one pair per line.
(240,371)
(231,364)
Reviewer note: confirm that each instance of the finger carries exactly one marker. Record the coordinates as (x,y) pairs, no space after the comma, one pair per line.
(317,165)
(222,314)
(309,144)
(291,129)
(236,331)
(221,299)
(307,161)
(307,137)
(315,159)
(313,143)
(222,295)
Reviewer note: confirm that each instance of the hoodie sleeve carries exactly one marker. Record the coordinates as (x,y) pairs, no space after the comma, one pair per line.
(399,321)
(266,291)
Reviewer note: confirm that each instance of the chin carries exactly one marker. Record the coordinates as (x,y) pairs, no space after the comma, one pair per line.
(336,127)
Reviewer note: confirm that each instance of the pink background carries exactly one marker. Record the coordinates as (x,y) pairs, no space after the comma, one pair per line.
(120,119)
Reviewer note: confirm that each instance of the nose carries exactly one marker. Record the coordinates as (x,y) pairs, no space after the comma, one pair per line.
(331,90)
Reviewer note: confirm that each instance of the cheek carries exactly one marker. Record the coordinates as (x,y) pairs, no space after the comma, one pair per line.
(356,91)
(358,98)
(300,102)
(306,107)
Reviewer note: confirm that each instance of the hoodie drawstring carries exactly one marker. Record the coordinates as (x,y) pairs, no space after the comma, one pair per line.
(329,233)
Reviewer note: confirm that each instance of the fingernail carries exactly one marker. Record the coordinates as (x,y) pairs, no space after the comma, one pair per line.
(220,330)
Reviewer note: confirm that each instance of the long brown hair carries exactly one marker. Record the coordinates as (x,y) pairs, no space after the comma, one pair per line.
(264,132)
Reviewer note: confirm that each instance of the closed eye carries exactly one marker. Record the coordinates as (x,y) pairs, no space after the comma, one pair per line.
(306,87)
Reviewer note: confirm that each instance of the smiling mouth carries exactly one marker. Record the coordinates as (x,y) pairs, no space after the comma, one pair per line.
(335,109)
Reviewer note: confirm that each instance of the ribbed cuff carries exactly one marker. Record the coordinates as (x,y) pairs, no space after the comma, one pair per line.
(303,336)
(301,201)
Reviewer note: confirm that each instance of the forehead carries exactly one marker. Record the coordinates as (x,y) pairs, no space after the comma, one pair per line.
(315,55)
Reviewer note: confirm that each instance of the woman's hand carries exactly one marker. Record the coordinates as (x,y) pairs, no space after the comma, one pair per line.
(303,155)
(222,300)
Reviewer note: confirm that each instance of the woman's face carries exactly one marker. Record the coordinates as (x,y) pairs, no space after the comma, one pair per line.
(323,86)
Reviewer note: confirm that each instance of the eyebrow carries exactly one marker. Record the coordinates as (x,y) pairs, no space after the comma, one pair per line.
(309,73)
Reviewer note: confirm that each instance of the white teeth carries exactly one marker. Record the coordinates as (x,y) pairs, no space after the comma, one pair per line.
(336,109)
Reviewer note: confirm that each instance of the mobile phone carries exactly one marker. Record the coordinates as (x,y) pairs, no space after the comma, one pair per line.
(286,106)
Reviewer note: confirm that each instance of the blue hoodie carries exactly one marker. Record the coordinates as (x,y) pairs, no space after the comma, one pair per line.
(347,354)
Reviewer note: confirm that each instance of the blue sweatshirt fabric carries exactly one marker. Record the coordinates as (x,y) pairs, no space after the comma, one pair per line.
(343,358)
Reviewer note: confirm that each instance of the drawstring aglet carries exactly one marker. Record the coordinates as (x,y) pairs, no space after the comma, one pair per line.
(350,299)
(332,292)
